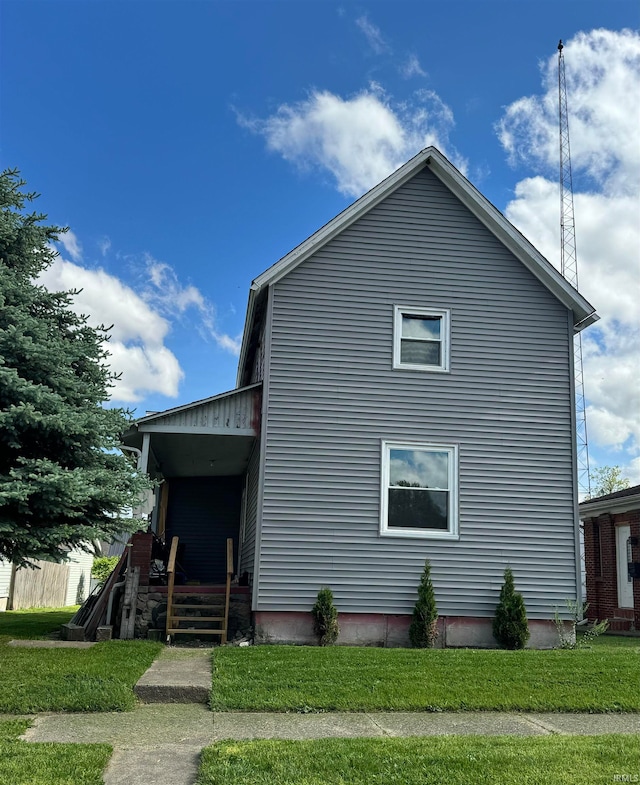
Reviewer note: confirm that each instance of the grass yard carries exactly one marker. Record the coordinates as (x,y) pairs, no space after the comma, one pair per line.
(454,760)
(34,623)
(303,679)
(23,763)
(97,679)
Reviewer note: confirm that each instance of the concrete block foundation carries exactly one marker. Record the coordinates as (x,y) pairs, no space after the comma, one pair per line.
(392,630)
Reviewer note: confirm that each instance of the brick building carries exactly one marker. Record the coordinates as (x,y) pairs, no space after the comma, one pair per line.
(612,554)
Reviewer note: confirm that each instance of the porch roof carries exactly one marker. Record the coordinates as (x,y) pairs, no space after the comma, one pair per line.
(613,503)
(210,437)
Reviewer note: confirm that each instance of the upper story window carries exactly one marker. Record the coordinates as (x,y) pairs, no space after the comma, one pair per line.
(419,490)
(421,339)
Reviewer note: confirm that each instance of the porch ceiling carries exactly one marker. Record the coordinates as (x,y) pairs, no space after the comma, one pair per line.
(196,455)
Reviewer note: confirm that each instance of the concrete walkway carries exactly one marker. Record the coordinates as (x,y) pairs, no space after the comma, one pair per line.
(193,725)
(177,676)
(159,743)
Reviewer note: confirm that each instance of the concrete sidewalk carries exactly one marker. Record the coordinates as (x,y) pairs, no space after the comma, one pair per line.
(194,725)
(160,744)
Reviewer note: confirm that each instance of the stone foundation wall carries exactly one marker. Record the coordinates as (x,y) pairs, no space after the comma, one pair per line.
(151,610)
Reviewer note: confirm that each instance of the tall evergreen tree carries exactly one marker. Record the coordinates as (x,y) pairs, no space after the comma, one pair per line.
(62,482)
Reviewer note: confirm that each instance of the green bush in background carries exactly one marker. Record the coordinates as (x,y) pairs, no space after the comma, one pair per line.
(103,566)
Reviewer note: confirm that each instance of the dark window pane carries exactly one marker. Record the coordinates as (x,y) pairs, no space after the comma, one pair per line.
(420,352)
(416,509)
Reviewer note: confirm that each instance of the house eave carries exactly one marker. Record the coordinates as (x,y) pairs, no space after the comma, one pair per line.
(344,219)
(594,508)
(584,313)
(246,335)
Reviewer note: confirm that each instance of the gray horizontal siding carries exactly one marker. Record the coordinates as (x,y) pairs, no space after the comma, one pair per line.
(248,551)
(333,396)
(257,368)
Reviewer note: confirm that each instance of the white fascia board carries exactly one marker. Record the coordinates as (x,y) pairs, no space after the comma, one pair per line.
(248,324)
(591,509)
(516,242)
(194,404)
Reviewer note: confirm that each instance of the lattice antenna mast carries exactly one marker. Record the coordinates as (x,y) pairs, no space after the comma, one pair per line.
(569,269)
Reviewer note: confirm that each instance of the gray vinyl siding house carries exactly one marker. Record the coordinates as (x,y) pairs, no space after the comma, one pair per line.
(415,363)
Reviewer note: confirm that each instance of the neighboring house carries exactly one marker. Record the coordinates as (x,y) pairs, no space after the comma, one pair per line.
(404,392)
(52,585)
(612,556)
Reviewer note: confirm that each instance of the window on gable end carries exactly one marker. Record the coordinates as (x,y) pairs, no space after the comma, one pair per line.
(421,339)
(419,490)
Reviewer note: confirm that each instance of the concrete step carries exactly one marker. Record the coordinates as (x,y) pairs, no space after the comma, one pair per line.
(177,676)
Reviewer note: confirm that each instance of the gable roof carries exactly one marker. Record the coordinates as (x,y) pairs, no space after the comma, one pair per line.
(583,312)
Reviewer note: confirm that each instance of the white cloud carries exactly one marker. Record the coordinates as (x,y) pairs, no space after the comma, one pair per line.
(411,68)
(137,337)
(104,246)
(373,35)
(141,322)
(359,140)
(602,68)
(70,243)
(165,293)
(603,76)
(632,471)
(611,371)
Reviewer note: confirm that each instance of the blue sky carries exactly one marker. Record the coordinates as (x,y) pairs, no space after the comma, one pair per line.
(190,145)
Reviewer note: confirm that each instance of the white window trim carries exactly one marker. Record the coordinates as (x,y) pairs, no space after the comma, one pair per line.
(428,534)
(408,310)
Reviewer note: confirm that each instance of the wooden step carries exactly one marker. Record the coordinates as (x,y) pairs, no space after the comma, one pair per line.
(176,609)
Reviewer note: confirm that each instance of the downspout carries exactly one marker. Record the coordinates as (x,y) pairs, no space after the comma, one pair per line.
(135,450)
(110,603)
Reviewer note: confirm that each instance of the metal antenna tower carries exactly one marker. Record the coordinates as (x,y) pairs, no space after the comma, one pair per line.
(569,269)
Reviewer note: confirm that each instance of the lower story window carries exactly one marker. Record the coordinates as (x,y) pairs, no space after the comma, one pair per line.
(419,490)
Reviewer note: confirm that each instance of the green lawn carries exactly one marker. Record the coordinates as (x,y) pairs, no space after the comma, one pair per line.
(454,760)
(97,679)
(35,622)
(302,678)
(23,763)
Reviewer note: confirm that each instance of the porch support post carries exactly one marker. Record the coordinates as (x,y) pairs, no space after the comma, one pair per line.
(143,462)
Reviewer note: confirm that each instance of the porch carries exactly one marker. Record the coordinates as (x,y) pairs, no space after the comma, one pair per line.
(199,454)
(194,603)
(187,566)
